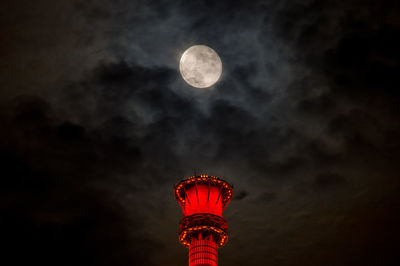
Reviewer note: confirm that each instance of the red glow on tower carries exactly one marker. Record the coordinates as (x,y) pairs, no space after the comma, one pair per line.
(203,230)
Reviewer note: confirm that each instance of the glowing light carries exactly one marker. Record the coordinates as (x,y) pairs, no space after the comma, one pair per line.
(203,199)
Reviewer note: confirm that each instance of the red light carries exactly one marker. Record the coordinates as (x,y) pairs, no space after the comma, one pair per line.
(203,199)
(203,252)
(203,229)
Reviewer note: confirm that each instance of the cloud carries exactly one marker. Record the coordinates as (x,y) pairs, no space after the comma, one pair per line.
(54,205)
(327,181)
(240,195)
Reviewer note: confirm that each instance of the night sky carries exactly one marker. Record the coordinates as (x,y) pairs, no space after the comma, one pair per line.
(97,126)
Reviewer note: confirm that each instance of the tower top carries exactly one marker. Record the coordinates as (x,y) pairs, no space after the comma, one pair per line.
(225,189)
(203,199)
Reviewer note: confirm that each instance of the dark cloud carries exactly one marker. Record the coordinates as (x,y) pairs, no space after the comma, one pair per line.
(97,126)
(240,195)
(55,207)
(267,197)
(328,181)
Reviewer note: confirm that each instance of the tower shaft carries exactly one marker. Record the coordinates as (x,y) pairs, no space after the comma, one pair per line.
(203,253)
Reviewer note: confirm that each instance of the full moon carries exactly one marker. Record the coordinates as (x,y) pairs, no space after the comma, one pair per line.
(200,66)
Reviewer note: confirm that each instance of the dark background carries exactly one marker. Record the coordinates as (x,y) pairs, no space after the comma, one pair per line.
(96,127)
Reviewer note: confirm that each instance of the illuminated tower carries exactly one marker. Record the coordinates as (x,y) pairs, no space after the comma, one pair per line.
(202,229)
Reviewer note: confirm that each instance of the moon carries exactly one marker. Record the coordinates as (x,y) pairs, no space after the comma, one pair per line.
(200,66)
